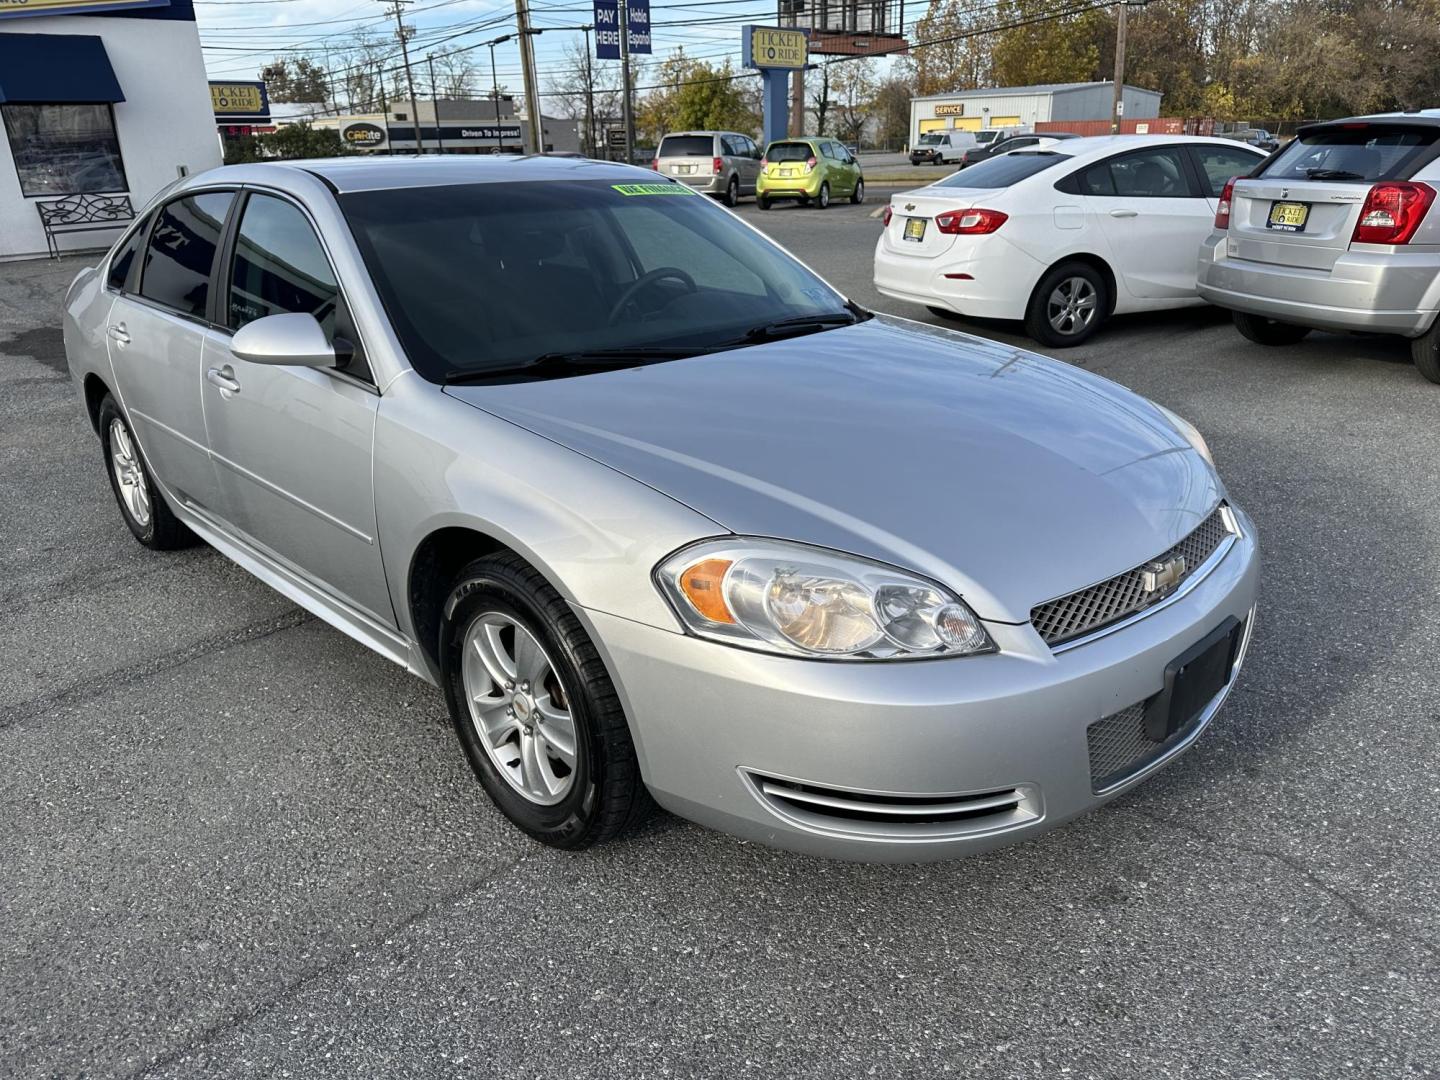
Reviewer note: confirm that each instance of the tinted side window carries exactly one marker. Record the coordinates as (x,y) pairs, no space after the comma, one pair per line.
(1219,163)
(124,259)
(1096,181)
(279,266)
(1150,174)
(176,271)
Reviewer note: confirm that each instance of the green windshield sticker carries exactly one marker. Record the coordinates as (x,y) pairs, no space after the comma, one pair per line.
(652,189)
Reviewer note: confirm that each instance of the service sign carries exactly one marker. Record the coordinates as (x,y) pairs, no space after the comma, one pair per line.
(957,109)
(10,9)
(229,99)
(769,47)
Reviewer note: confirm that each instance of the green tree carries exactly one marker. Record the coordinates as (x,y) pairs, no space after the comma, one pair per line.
(891,106)
(695,96)
(951,48)
(1044,45)
(291,142)
(853,86)
(295,79)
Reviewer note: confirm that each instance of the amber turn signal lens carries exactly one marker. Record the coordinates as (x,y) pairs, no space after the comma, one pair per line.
(701,585)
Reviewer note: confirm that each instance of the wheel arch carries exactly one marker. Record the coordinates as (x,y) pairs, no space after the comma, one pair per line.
(1091,260)
(95,392)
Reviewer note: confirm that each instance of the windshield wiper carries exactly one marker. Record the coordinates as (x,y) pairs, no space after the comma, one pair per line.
(801,324)
(579,360)
(1332,174)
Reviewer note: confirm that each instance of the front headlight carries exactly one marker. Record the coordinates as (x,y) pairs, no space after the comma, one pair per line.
(1190,433)
(798,600)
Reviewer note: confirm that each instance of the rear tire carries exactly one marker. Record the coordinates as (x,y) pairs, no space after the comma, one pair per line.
(858,195)
(762,202)
(1263,331)
(732,193)
(502,604)
(822,200)
(1069,305)
(1426,351)
(141,502)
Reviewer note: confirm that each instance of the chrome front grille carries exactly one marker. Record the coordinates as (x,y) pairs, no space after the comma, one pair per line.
(1082,612)
(918,816)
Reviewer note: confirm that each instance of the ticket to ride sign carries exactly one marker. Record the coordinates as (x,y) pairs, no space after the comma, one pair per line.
(10,9)
(769,47)
(236,99)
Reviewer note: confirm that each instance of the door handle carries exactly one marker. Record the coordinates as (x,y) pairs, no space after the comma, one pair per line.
(117,333)
(224,378)
(1124,213)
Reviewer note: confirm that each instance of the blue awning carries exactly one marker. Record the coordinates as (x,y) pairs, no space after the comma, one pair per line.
(46,69)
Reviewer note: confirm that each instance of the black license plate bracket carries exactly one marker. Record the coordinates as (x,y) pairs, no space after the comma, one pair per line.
(1192,680)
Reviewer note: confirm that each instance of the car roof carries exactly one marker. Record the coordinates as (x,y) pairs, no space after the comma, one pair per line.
(1092,146)
(367,173)
(1417,118)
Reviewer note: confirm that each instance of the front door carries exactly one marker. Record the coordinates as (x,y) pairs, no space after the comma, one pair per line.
(155,337)
(1153,216)
(292,446)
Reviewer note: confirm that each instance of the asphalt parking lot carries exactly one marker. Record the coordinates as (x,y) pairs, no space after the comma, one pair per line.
(237,844)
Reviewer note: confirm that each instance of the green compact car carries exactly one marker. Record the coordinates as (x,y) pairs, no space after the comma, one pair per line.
(813,171)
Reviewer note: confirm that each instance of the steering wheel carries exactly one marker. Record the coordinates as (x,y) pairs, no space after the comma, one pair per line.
(644,281)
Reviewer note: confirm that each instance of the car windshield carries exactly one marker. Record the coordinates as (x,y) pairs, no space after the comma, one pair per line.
(1365,152)
(1004,170)
(477,278)
(686,146)
(984,138)
(931,140)
(789,151)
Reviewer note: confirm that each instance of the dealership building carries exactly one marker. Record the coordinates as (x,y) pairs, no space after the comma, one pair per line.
(1026,106)
(101,100)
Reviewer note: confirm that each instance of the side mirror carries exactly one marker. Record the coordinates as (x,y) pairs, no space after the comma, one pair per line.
(295,339)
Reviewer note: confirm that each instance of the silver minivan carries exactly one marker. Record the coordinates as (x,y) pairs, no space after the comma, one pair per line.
(723,163)
(1337,231)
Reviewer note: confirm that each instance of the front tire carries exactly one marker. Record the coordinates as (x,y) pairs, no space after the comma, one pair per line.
(141,502)
(535,709)
(1425,350)
(1069,305)
(858,195)
(1263,331)
(732,193)
(822,200)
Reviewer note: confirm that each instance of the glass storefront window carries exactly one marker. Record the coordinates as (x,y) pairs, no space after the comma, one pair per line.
(64,149)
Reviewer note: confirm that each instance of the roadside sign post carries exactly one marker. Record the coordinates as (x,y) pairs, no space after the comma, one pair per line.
(775,53)
(622,27)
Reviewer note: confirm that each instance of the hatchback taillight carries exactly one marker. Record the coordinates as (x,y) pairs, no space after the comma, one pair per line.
(764,163)
(1393,212)
(1222,208)
(655,164)
(810,163)
(885,217)
(717,166)
(970,222)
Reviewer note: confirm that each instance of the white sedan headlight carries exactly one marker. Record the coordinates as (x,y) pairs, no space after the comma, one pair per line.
(1190,433)
(802,601)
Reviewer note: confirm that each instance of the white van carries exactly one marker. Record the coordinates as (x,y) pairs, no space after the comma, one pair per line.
(939,147)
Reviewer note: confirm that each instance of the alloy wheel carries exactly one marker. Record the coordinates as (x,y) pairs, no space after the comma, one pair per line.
(520,710)
(1072,306)
(129,473)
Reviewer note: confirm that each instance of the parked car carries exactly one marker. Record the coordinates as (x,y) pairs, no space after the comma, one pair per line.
(1061,237)
(997,147)
(811,171)
(658,510)
(941,147)
(723,163)
(1258,138)
(1337,232)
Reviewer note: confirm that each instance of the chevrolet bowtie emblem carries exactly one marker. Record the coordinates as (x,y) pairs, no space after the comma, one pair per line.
(909,206)
(1159,576)
(1284,193)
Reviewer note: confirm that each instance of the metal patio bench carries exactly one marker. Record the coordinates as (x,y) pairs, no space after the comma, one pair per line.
(82,213)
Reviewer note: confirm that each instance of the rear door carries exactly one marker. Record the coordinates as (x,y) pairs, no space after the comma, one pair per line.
(156,335)
(1302,210)
(1153,215)
(293,445)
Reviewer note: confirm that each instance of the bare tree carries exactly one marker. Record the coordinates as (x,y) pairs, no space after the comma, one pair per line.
(455,74)
(588,88)
(853,87)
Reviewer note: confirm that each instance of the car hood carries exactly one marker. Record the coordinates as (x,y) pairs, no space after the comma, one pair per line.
(1010,477)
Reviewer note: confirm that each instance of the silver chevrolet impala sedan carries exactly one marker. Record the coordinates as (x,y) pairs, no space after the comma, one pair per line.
(661,513)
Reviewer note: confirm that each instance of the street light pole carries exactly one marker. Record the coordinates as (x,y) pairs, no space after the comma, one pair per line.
(435,104)
(589,100)
(629,111)
(495,87)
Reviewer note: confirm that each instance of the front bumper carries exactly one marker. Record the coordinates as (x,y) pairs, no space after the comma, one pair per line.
(719,730)
(1392,292)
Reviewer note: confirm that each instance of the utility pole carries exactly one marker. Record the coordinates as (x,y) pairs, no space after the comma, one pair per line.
(495,87)
(435,104)
(527,68)
(1117,108)
(384,107)
(589,100)
(629,109)
(397,6)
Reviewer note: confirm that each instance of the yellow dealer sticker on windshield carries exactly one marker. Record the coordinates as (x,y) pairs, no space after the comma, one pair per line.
(652,189)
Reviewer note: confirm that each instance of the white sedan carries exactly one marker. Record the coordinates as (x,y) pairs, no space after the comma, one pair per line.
(1061,237)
